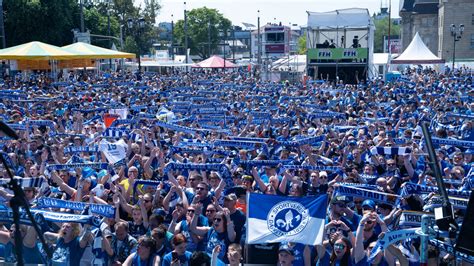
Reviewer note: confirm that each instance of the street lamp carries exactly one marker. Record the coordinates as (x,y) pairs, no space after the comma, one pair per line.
(456,32)
(172,37)
(223,34)
(186,35)
(136,27)
(2,26)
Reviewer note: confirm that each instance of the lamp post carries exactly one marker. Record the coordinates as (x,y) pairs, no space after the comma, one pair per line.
(259,45)
(2,26)
(456,32)
(186,36)
(209,37)
(136,26)
(108,30)
(81,3)
(172,37)
(233,44)
(223,34)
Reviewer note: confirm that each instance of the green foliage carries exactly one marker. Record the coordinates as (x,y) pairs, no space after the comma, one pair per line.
(52,21)
(302,44)
(381,29)
(200,21)
(49,21)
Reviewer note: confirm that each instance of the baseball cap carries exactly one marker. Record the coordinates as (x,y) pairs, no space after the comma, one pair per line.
(286,248)
(343,199)
(368,203)
(231,197)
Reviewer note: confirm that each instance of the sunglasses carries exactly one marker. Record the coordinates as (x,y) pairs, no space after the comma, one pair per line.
(191,211)
(217,220)
(200,188)
(147,200)
(339,246)
(210,210)
(357,202)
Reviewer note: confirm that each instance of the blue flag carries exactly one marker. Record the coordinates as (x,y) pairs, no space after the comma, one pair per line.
(273,219)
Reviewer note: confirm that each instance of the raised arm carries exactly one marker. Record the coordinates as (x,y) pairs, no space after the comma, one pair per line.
(200,231)
(63,186)
(284,182)
(358,250)
(259,180)
(230,226)
(220,188)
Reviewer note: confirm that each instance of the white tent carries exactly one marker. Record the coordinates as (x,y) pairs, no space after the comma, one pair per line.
(350,18)
(417,53)
(342,26)
(294,62)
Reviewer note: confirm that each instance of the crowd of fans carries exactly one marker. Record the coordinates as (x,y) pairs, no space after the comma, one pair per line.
(198,217)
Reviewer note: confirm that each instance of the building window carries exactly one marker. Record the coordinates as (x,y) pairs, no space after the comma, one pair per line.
(472,41)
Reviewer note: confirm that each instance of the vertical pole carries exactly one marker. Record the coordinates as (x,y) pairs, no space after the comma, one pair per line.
(2,25)
(225,43)
(172,37)
(289,49)
(233,44)
(259,53)
(454,49)
(389,25)
(108,33)
(186,36)
(209,37)
(121,37)
(82,15)
(425,219)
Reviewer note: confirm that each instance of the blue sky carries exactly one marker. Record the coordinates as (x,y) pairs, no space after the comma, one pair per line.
(286,11)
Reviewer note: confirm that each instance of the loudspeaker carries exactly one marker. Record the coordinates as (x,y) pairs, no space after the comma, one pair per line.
(465,243)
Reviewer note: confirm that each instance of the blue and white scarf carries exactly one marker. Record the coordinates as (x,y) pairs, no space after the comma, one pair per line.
(60,167)
(409,219)
(411,188)
(99,209)
(116,132)
(302,141)
(221,168)
(359,192)
(454,142)
(240,144)
(25,182)
(6,216)
(175,127)
(312,168)
(390,150)
(391,238)
(436,202)
(79,149)
(450,249)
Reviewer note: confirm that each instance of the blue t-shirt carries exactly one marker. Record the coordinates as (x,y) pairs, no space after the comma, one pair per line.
(67,253)
(30,255)
(213,239)
(184,260)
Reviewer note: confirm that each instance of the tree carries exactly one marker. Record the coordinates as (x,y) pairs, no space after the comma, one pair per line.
(97,24)
(302,44)
(200,21)
(52,21)
(381,29)
(49,21)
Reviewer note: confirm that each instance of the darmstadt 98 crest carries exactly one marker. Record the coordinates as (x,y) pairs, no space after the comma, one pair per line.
(287,218)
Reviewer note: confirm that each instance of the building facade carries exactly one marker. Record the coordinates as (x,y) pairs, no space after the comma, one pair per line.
(456,12)
(276,41)
(432,19)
